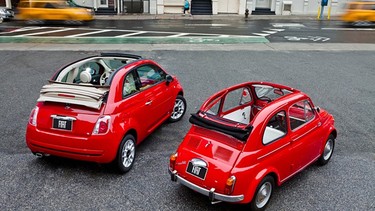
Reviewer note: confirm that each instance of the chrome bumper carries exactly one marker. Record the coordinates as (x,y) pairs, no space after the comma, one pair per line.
(214,197)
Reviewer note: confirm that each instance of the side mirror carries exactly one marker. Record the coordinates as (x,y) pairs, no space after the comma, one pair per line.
(169,79)
(317,109)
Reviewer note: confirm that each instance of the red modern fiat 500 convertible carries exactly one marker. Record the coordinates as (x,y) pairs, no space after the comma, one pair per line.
(248,138)
(99,108)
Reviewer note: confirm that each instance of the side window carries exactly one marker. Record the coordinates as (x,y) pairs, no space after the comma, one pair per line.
(129,85)
(150,75)
(236,98)
(276,128)
(300,113)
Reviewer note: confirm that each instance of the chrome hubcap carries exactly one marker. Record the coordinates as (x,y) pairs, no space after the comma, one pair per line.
(178,109)
(263,195)
(328,148)
(128,152)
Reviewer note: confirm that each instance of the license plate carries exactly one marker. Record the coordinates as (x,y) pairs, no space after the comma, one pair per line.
(198,171)
(62,124)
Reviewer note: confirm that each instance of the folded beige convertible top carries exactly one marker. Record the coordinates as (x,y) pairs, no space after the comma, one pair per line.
(78,94)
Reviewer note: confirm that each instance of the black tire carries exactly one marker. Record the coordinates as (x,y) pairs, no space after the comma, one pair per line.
(126,154)
(263,194)
(327,151)
(179,109)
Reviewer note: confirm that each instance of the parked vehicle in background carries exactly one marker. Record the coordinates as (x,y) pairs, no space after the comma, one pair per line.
(40,11)
(6,14)
(100,108)
(248,138)
(359,13)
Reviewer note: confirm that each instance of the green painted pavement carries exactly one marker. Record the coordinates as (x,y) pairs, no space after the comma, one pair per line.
(134,40)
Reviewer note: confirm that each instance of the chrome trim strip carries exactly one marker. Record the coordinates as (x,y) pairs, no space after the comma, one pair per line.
(63,117)
(296,139)
(214,196)
(263,156)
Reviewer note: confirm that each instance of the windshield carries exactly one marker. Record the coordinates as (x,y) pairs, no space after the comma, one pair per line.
(269,92)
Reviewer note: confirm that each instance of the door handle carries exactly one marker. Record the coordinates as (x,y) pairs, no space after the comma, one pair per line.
(148,102)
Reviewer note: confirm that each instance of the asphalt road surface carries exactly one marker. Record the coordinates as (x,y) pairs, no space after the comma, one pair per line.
(340,81)
(294,31)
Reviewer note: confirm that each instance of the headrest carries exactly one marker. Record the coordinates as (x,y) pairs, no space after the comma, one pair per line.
(85,76)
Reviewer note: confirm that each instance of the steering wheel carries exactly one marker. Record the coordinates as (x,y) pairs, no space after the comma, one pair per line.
(104,77)
(265,98)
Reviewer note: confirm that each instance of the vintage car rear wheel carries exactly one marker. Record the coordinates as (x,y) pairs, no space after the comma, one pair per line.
(263,194)
(126,154)
(327,151)
(179,109)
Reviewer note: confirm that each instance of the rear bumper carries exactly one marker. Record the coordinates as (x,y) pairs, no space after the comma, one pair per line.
(210,193)
(100,149)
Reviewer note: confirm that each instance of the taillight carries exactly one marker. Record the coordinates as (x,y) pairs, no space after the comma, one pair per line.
(172,161)
(229,185)
(33,116)
(102,125)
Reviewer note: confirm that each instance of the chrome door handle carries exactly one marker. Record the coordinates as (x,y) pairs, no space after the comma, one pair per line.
(148,102)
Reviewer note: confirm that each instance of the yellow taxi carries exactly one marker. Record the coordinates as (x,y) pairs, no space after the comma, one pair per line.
(39,11)
(359,13)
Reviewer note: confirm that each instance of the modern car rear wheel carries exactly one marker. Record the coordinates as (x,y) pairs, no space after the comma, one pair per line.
(178,109)
(126,154)
(327,151)
(263,194)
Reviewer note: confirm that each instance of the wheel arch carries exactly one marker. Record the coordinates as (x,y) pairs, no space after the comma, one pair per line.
(334,133)
(258,178)
(132,132)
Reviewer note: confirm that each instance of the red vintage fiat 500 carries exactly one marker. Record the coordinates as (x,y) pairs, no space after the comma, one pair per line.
(100,107)
(248,138)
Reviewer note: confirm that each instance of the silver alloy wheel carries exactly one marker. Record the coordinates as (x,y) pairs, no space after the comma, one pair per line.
(178,109)
(263,195)
(328,149)
(128,152)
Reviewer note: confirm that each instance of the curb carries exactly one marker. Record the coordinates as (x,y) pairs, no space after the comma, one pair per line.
(210,17)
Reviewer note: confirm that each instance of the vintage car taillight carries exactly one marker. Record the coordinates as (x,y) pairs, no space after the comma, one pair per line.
(102,125)
(229,185)
(172,161)
(33,116)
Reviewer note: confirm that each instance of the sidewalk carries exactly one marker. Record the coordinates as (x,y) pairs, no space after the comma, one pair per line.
(208,17)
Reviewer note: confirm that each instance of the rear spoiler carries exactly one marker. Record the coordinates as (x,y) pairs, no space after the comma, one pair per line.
(85,95)
(238,133)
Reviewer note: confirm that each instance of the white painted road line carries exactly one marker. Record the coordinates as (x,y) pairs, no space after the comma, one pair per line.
(45,32)
(260,34)
(178,35)
(282,25)
(350,29)
(88,33)
(131,34)
(270,32)
(278,30)
(209,24)
(28,29)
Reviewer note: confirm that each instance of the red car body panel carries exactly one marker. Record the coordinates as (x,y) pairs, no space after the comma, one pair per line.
(251,160)
(127,115)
